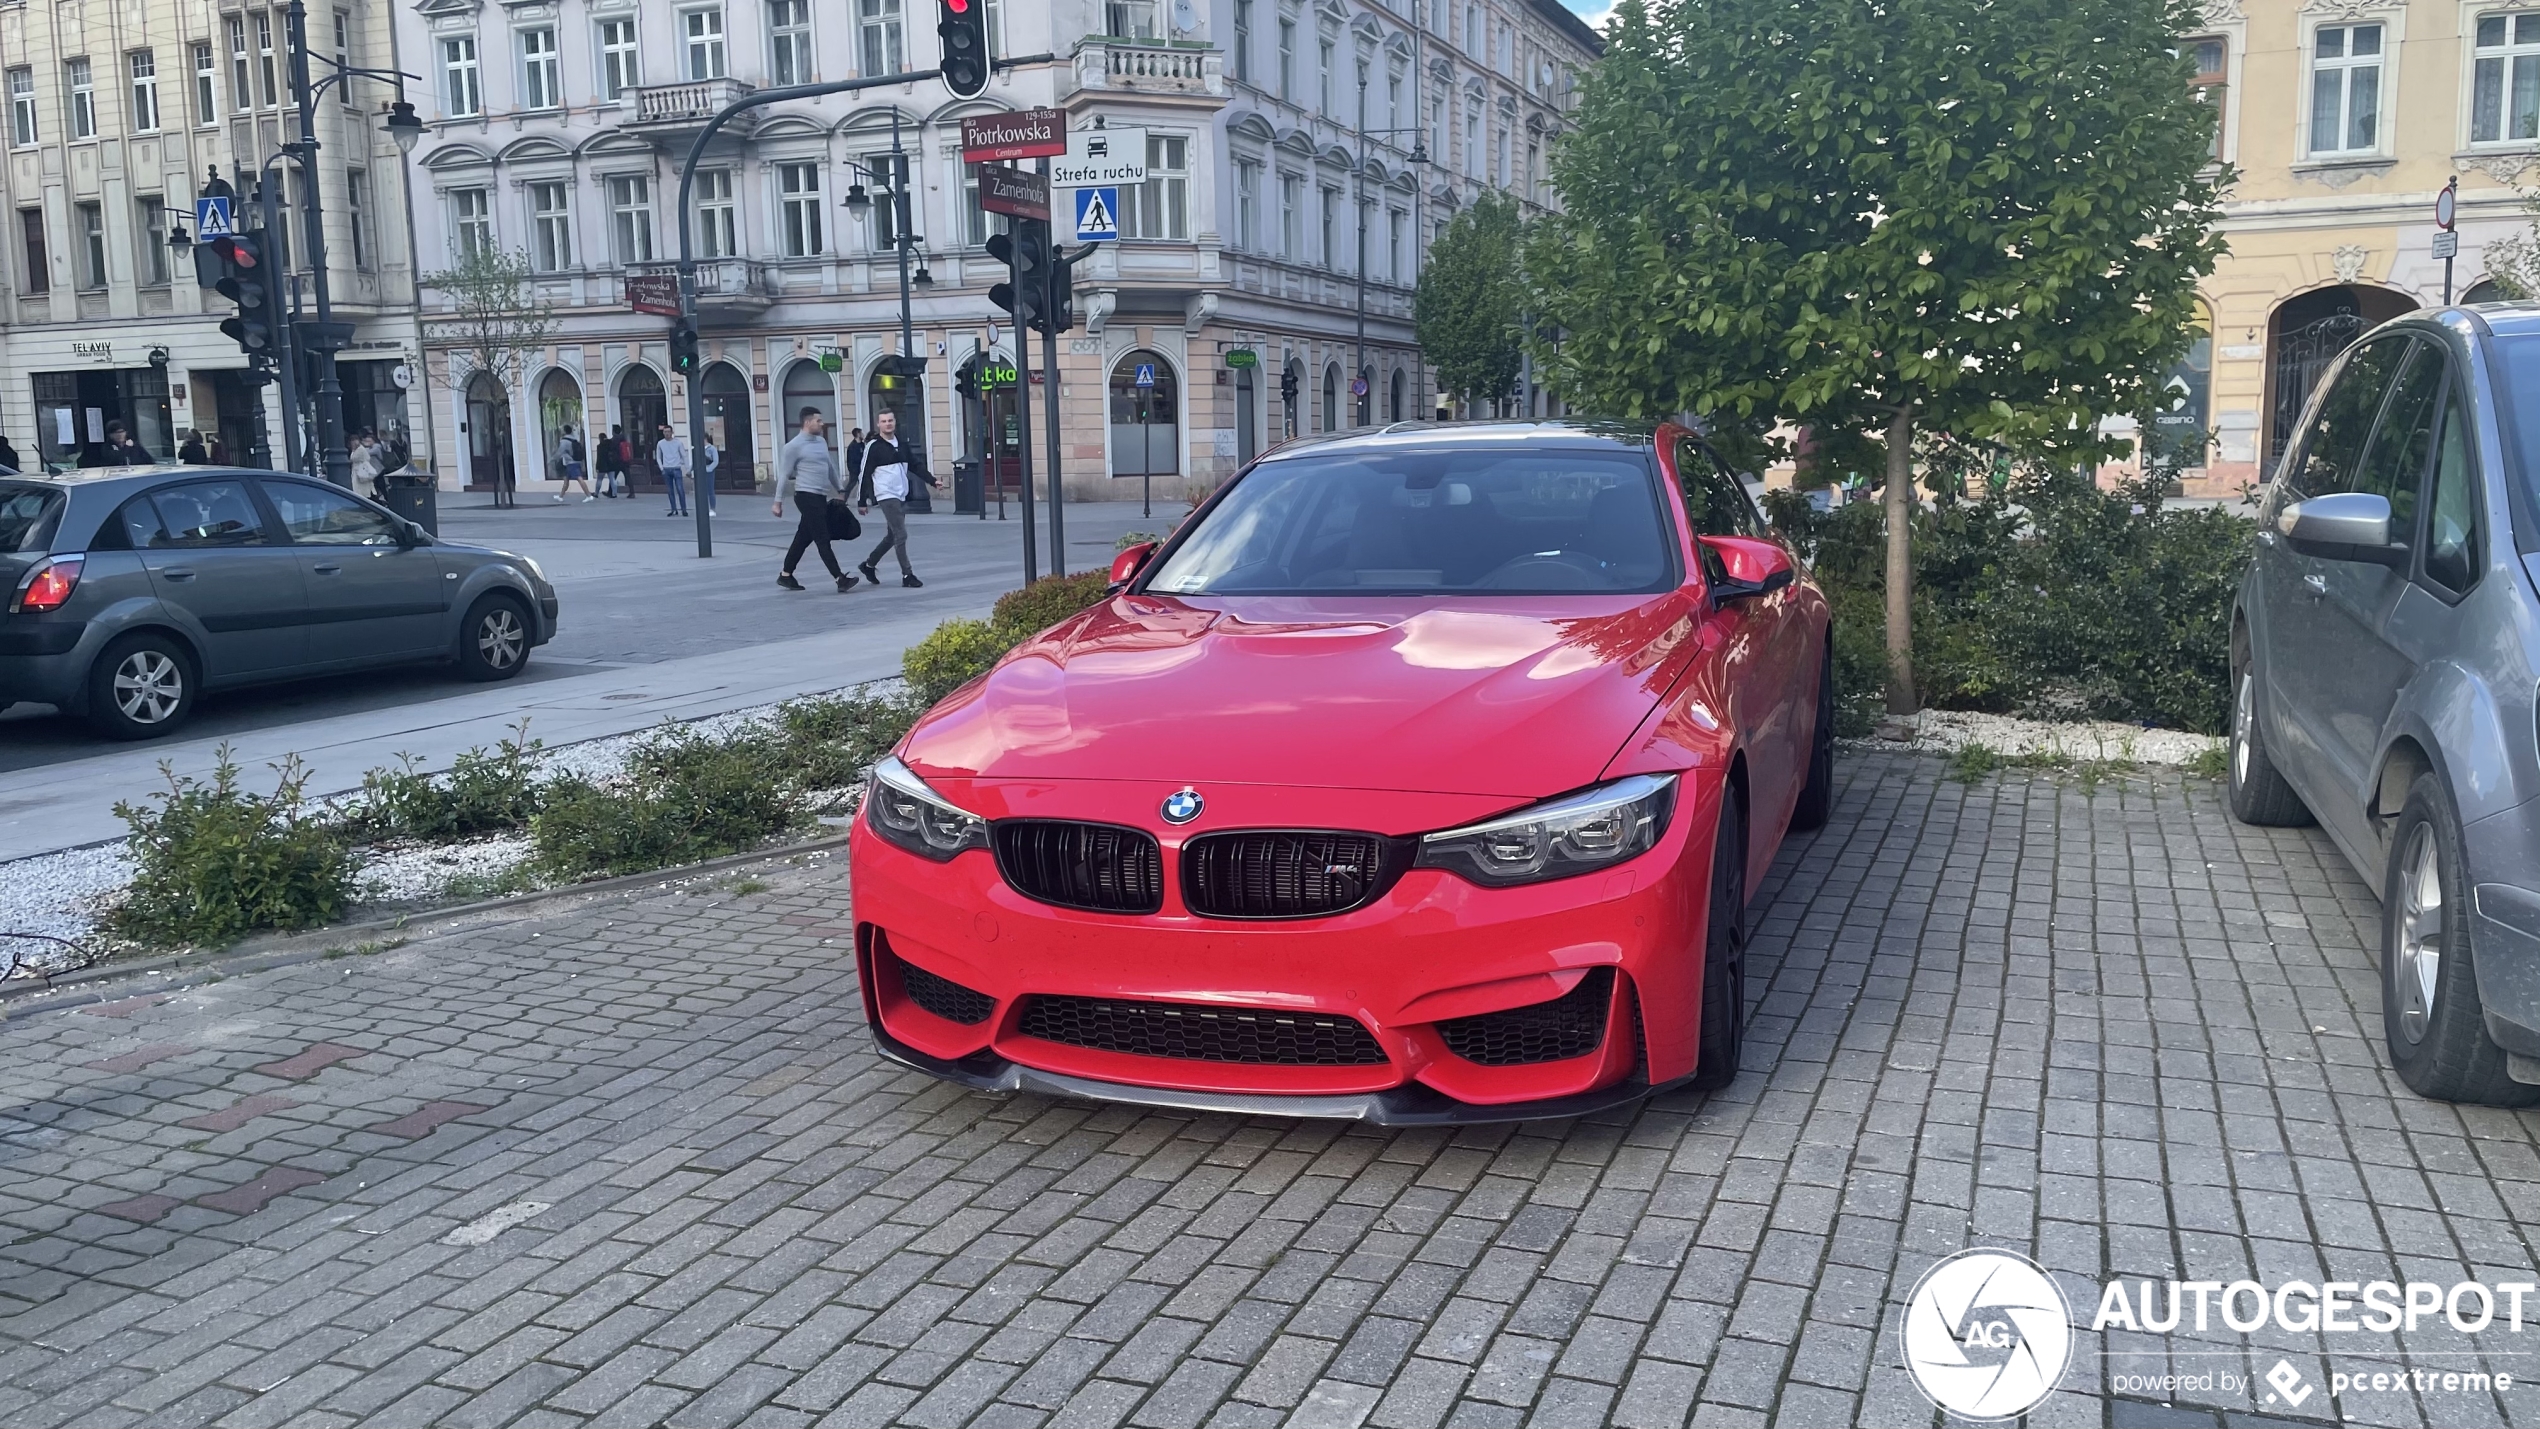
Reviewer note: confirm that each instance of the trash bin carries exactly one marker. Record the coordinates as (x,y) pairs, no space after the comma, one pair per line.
(970,490)
(411,494)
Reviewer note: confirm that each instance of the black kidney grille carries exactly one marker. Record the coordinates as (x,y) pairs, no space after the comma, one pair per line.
(1284,873)
(1571,1025)
(1101,868)
(945,998)
(1266,1035)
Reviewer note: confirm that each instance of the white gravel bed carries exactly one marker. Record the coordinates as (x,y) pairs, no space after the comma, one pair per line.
(57,895)
(416,872)
(1948,731)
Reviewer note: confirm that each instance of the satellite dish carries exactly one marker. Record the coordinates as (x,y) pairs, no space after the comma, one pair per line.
(1185,16)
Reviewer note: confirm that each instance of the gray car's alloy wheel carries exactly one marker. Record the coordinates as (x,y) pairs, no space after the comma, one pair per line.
(494,640)
(2430,1010)
(2259,794)
(143,685)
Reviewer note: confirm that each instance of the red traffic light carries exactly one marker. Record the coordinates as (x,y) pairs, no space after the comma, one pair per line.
(234,253)
(957,7)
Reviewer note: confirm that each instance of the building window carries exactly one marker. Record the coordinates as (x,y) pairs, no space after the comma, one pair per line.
(1473,32)
(268,90)
(704,29)
(551,225)
(878,36)
(1499,157)
(460,93)
(1248,206)
(888,174)
(344,55)
(2345,89)
(789,41)
(1395,221)
(1291,216)
(1397,116)
(148,248)
(239,98)
(631,210)
(1323,78)
(82,84)
(976,222)
(1129,19)
(1287,61)
(1329,228)
(1239,57)
(92,245)
(145,90)
(1472,138)
(718,233)
(2505,91)
(39,261)
(620,69)
(472,220)
(22,131)
(2211,81)
(357,212)
(206,102)
(1159,208)
(538,73)
(798,190)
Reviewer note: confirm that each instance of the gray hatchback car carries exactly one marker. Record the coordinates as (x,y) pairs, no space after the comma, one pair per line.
(2385,659)
(131,593)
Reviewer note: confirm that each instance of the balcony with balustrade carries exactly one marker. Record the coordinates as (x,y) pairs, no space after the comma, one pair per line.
(673,113)
(728,289)
(1144,66)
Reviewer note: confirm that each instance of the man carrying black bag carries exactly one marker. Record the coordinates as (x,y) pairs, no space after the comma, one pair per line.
(807,471)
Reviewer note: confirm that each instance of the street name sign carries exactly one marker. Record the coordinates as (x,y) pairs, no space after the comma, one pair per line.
(1102,157)
(655,293)
(1025,134)
(1008,190)
(1097,214)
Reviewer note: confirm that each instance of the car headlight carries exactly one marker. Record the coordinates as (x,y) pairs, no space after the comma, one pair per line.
(536,571)
(1574,834)
(899,807)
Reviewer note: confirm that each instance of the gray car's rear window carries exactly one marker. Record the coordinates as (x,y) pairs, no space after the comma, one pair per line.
(29,515)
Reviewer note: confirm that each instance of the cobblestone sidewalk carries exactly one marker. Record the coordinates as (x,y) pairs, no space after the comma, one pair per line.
(636,1163)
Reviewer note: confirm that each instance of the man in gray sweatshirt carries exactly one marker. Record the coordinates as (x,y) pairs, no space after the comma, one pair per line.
(806,471)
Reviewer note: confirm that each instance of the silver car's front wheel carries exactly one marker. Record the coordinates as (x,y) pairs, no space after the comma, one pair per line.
(2420,901)
(494,641)
(2259,792)
(2243,714)
(149,686)
(499,638)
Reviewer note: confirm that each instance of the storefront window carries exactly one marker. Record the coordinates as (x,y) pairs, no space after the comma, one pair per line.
(73,410)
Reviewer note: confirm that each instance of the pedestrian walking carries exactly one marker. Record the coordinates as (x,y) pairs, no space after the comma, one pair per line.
(670,456)
(807,472)
(708,459)
(569,466)
(888,468)
(192,452)
(854,467)
(8,457)
(361,462)
(612,466)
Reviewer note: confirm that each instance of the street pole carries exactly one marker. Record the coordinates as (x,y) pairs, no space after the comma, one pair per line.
(287,354)
(330,392)
(1358,364)
(687,192)
(1049,364)
(902,239)
(1023,425)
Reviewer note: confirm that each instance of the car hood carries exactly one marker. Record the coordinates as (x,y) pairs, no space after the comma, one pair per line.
(1520,698)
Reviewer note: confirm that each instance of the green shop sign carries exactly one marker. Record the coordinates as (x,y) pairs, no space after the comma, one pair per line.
(1243,357)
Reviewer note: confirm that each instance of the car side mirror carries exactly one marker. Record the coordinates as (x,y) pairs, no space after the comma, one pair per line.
(1126,565)
(2345,526)
(1753,567)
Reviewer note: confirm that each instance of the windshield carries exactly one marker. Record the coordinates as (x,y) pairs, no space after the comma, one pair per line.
(1533,520)
(28,515)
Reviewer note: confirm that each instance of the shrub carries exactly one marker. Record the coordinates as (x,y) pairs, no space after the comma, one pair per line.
(828,743)
(1022,614)
(682,798)
(948,657)
(216,862)
(485,792)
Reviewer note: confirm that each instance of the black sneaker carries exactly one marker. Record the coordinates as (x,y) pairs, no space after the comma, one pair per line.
(871,574)
(846,583)
(911,582)
(788,582)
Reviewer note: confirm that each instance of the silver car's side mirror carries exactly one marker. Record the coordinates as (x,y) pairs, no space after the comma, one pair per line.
(2346,526)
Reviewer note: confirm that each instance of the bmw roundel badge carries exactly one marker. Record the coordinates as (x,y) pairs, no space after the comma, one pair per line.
(1182,806)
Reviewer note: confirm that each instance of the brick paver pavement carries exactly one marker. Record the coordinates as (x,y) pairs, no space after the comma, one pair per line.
(635,1162)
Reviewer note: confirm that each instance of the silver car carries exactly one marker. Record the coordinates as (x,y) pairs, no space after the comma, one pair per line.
(2385,656)
(132,593)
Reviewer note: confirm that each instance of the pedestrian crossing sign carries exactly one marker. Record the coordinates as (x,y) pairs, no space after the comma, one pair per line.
(211,218)
(1146,374)
(1097,214)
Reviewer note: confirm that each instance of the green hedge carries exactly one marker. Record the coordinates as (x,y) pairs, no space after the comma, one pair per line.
(216,862)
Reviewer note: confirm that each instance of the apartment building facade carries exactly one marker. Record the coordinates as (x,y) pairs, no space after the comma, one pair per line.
(116,116)
(2345,119)
(1279,185)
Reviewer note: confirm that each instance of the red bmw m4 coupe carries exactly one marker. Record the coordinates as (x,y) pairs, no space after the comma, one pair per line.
(1422,776)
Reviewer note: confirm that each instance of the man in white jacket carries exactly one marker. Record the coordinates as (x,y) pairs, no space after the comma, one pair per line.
(888,467)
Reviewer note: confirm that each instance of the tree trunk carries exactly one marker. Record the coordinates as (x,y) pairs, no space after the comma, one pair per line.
(1901,698)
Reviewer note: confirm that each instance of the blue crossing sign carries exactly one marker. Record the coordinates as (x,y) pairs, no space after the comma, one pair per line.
(1097,214)
(211,219)
(1146,374)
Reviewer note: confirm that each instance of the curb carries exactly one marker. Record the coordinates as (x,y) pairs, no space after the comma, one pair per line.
(104,983)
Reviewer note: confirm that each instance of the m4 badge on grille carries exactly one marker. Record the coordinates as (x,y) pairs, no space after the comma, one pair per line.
(1183,805)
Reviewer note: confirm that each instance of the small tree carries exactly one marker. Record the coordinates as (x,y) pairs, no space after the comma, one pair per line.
(1980,218)
(2513,262)
(1470,303)
(495,319)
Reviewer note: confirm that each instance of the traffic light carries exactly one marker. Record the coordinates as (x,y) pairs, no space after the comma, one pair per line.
(1023,252)
(683,348)
(1287,386)
(242,281)
(1062,313)
(966,377)
(962,25)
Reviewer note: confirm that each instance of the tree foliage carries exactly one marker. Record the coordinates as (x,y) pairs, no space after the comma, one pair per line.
(492,313)
(1981,217)
(1470,304)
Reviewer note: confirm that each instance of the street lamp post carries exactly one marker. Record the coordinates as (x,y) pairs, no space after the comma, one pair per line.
(1419,156)
(895,188)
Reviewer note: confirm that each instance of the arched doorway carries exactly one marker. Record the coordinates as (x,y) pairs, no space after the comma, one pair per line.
(726,395)
(2485,290)
(1393,398)
(642,407)
(805,385)
(559,407)
(1146,433)
(1292,396)
(992,426)
(1247,414)
(1332,397)
(2304,335)
(489,432)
